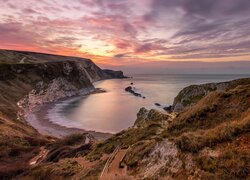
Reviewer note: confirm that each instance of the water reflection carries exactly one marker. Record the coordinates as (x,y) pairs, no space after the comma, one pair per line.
(116,109)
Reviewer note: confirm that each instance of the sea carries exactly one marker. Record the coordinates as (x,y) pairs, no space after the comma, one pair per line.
(116,109)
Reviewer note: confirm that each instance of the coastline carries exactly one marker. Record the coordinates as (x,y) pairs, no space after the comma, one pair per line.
(40,118)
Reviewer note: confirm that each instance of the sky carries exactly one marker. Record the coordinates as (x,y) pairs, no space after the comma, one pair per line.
(132,33)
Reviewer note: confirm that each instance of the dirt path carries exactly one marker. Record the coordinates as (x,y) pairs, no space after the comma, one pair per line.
(37,159)
(113,169)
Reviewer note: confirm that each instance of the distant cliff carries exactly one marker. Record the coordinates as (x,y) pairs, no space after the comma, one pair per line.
(34,78)
(192,94)
(114,74)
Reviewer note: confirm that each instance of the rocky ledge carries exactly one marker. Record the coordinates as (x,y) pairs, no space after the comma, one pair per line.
(192,94)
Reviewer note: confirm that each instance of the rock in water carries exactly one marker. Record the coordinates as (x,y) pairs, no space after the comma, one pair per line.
(168,109)
(130,89)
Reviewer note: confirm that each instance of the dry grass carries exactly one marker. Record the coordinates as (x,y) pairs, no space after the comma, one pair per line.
(212,110)
(138,151)
(195,141)
(216,121)
(68,147)
(65,169)
(125,138)
(232,163)
(71,140)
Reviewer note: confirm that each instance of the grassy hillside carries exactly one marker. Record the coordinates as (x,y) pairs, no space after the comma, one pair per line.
(207,140)
(193,93)
(210,140)
(34,78)
(13,57)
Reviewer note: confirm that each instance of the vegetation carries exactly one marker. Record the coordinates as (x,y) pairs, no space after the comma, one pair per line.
(71,140)
(211,111)
(60,170)
(233,161)
(125,139)
(138,151)
(195,141)
(219,121)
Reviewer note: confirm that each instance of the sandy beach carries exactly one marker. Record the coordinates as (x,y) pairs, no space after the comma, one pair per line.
(38,118)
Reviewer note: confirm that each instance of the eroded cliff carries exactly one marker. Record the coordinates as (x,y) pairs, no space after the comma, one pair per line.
(28,80)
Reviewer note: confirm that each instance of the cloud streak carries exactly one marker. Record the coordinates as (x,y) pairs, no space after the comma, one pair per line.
(144,30)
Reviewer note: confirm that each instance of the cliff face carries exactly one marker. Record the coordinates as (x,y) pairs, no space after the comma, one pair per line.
(116,74)
(192,94)
(36,78)
(26,81)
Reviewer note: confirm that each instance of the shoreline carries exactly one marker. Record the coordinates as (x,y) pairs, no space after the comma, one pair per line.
(45,126)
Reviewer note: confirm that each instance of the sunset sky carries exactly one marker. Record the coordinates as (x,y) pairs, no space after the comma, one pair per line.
(122,32)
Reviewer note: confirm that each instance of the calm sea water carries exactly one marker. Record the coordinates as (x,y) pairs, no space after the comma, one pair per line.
(116,109)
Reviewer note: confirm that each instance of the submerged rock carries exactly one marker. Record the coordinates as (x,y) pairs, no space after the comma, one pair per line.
(130,89)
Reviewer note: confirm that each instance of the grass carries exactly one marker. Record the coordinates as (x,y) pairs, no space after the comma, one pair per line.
(61,170)
(216,121)
(226,131)
(211,111)
(71,140)
(125,138)
(138,151)
(233,163)
(94,173)
(68,147)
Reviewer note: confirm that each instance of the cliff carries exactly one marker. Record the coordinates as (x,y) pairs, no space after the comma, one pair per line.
(112,74)
(28,80)
(192,94)
(39,78)
(207,139)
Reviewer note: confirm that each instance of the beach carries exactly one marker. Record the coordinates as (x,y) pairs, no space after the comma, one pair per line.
(40,118)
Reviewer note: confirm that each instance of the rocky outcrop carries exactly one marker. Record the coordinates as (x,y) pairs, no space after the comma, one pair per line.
(93,72)
(28,80)
(131,90)
(144,116)
(114,74)
(41,78)
(192,94)
(164,159)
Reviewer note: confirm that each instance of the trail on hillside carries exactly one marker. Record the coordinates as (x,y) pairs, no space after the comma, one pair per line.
(40,157)
(113,169)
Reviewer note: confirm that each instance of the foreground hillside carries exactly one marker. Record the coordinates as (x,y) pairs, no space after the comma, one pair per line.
(27,83)
(208,140)
(206,137)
